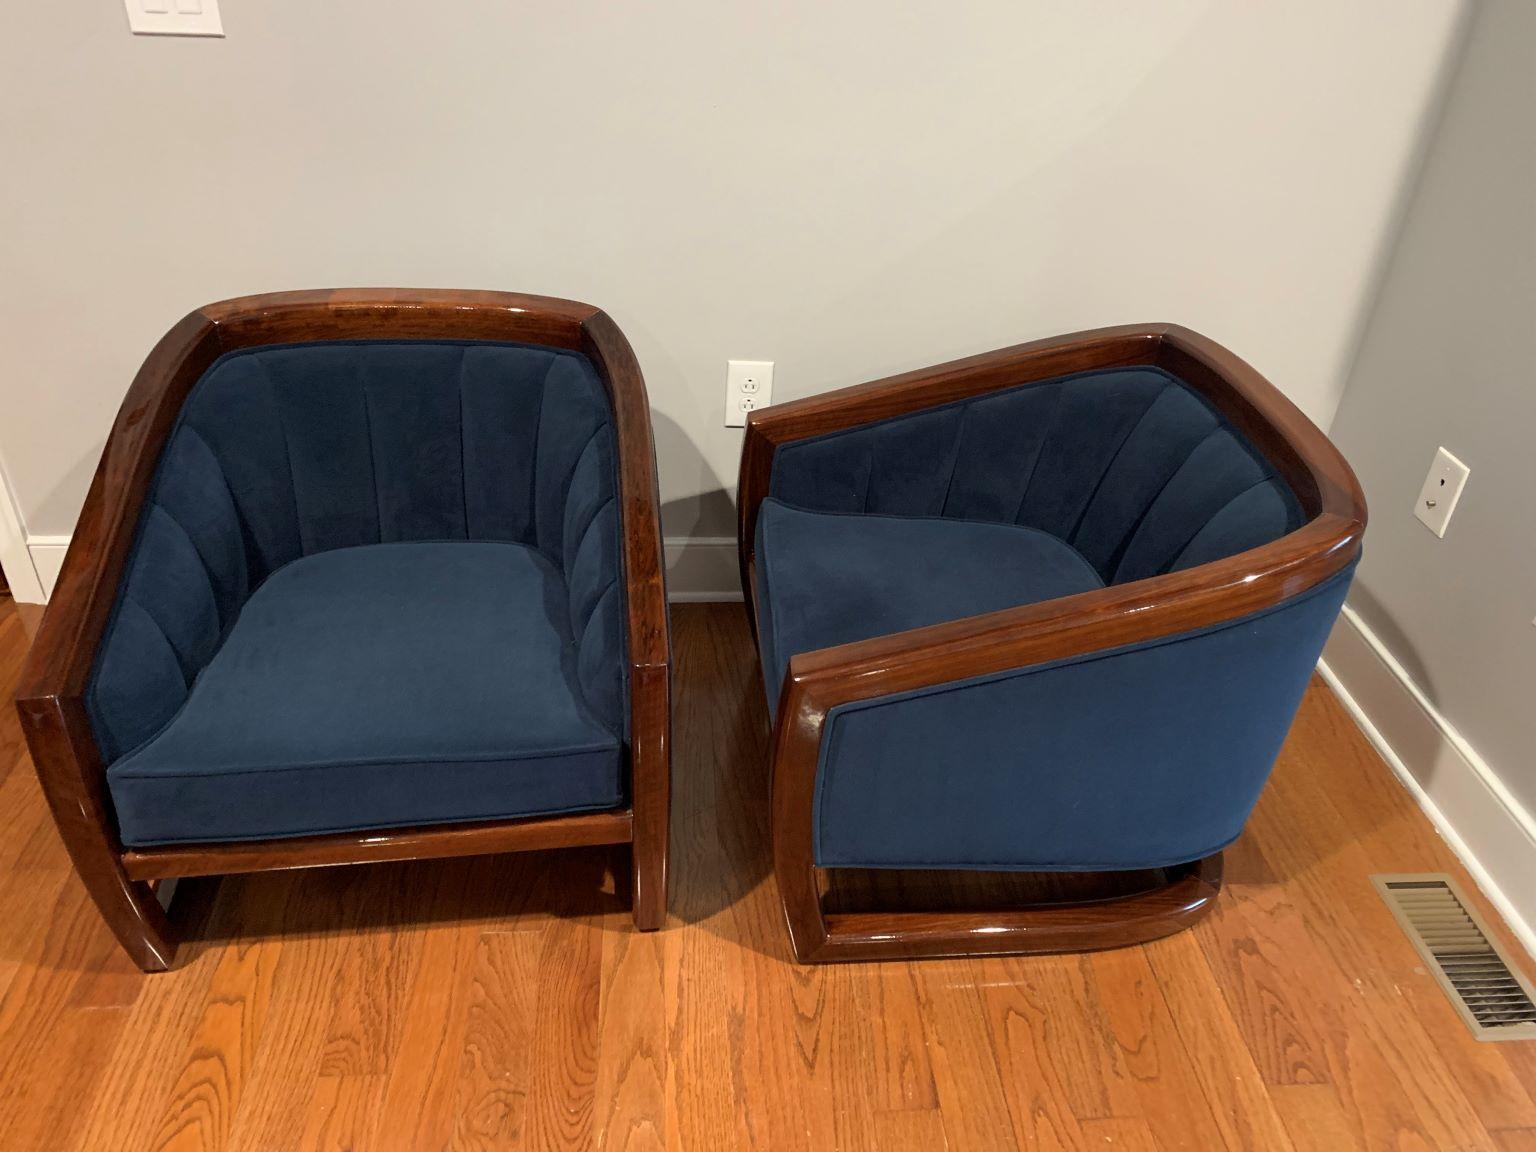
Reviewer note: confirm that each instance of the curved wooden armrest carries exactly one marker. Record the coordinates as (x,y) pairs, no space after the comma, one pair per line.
(1111,617)
(1061,629)
(644,573)
(650,659)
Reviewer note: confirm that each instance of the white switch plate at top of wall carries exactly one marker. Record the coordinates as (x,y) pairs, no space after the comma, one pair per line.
(748,385)
(174,17)
(1442,489)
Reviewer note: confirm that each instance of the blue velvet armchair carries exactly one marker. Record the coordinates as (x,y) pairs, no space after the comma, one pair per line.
(363,575)
(1051,608)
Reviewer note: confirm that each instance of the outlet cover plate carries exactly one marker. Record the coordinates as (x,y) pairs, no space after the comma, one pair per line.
(1441,492)
(174,17)
(748,386)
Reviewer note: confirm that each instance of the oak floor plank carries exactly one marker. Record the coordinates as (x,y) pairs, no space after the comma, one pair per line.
(965,1069)
(217,1065)
(630,1100)
(1023,1034)
(562,1095)
(52,1054)
(417,1110)
(1222,1062)
(1148,1054)
(1119,1134)
(1250,946)
(373,979)
(496,1063)
(909,1130)
(315,914)
(342,1114)
(900,1073)
(1316,1119)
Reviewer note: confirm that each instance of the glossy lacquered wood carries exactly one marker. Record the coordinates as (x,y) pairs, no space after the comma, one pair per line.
(1188,894)
(50,699)
(817,682)
(428,843)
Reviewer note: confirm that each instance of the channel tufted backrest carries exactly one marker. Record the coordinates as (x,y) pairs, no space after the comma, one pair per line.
(1128,465)
(284,451)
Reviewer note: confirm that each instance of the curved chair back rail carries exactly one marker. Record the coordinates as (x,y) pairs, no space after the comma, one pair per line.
(162,431)
(872,697)
(1325,490)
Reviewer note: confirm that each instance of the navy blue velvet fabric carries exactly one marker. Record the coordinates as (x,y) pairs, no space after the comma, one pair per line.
(829,578)
(1135,758)
(385,684)
(1129,466)
(288,452)
(1143,757)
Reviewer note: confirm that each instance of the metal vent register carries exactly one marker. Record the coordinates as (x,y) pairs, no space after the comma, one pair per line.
(1490,993)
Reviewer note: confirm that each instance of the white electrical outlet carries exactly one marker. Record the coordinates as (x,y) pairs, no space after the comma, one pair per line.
(174,17)
(1442,489)
(748,385)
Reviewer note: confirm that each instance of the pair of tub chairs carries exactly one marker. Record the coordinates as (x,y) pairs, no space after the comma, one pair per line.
(377,575)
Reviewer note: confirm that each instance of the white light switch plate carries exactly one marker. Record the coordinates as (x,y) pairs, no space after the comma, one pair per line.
(174,17)
(748,385)
(1442,489)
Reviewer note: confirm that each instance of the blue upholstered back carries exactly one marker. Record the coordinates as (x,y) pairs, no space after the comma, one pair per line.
(288,450)
(1129,465)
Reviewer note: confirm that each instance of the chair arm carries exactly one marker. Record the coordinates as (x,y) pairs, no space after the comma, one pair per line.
(1015,639)
(647,624)
(644,573)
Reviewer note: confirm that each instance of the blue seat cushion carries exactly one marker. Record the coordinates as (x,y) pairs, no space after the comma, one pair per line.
(379,686)
(829,578)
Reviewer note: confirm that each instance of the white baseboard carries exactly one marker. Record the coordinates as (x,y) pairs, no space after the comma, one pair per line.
(47,558)
(15,555)
(702,569)
(1483,822)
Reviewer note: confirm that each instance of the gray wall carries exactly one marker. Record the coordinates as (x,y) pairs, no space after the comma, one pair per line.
(848,189)
(1446,358)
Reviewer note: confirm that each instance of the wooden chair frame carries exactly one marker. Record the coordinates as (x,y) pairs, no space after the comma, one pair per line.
(51,698)
(1120,614)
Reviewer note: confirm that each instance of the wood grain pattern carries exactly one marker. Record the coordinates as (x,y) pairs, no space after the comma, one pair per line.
(50,696)
(1071,626)
(501,1002)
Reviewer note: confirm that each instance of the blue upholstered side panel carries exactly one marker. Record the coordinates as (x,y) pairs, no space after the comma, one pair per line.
(1127,465)
(287,451)
(1141,757)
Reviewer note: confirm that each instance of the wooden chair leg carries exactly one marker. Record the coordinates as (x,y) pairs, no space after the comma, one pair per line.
(70,772)
(133,913)
(651,777)
(648,877)
(818,938)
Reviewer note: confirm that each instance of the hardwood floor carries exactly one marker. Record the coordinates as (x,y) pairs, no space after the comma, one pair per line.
(507,1002)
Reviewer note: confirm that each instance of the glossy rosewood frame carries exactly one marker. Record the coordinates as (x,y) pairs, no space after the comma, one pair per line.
(1121,614)
(51,698)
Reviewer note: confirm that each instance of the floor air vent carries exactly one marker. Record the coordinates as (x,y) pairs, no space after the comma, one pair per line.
(1495,1000)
